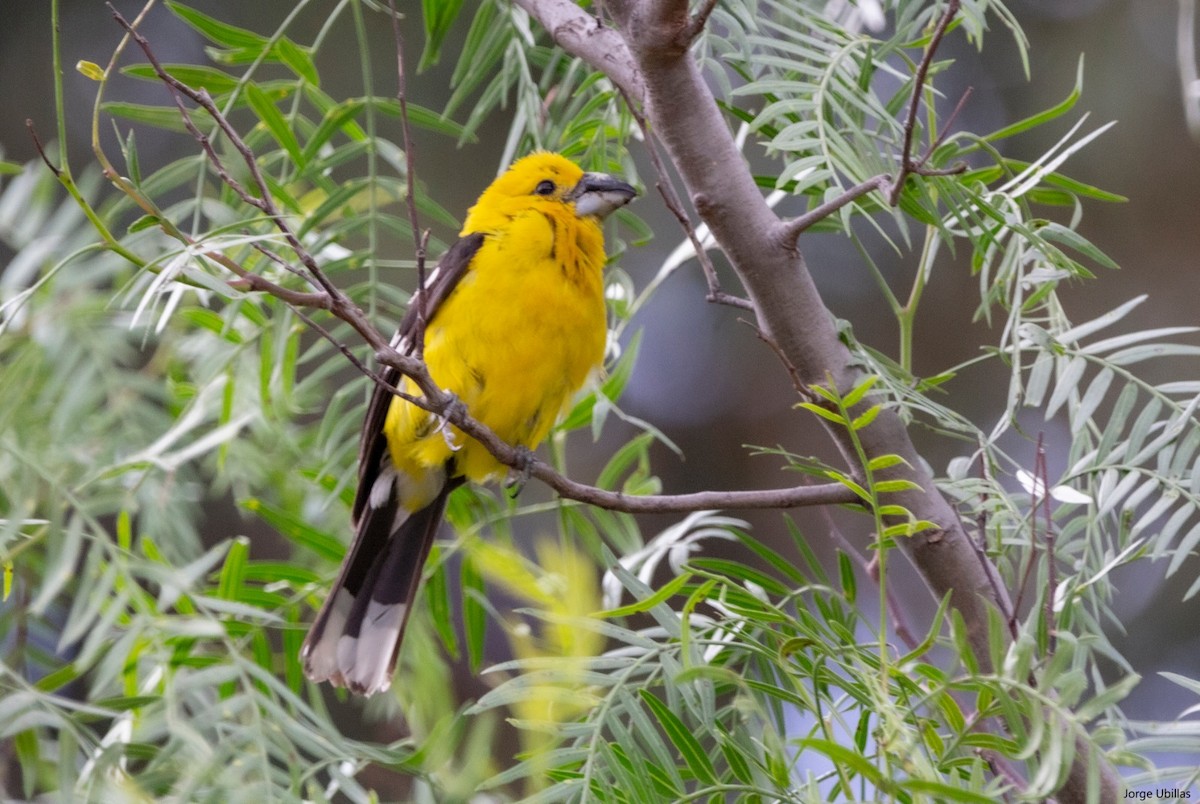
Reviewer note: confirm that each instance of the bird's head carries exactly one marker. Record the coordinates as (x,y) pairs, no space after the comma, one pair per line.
(550,182)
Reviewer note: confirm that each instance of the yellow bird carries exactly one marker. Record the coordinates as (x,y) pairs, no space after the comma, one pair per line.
(515,324)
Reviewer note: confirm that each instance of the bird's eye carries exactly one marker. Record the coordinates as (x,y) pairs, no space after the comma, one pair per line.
(545,187)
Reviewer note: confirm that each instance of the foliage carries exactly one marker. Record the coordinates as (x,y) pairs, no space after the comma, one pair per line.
(146,658)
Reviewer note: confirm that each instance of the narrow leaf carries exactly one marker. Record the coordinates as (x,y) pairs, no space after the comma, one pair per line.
(683,739)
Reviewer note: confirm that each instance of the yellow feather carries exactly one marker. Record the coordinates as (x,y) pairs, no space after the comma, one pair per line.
(520,333)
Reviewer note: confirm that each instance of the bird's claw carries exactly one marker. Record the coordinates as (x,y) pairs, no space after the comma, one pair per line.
(519,473)
(455,409)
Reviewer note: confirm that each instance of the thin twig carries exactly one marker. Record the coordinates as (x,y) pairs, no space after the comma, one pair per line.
(374,376)
(792,372)
(980,545)
(280,261)
(795,497)
(941,137)
(791,229)
(667,190)
(421,297)
(899,621)
(907,165)
(1043,476)
(37,143)
(420,240)
(264,201)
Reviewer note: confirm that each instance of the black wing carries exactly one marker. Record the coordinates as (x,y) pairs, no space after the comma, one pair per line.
(450,269)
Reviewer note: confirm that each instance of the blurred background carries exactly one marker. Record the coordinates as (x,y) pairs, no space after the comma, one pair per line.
(703,378)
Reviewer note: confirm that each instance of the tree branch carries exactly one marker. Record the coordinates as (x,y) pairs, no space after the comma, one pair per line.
(420,240)
(264,200)
(909,166)
(601,47)
(666,189)
(790,230)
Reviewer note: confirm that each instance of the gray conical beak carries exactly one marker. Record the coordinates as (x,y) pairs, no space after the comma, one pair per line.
(598,194)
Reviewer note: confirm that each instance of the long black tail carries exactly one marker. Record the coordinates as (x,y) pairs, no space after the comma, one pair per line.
(356,637)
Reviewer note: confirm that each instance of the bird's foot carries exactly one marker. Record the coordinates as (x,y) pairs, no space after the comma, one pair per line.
(519,473)
(455,409)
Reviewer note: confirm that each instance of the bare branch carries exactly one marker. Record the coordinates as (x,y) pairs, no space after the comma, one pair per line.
(797,496)
(410,172)
(582,35)
(420,239)
(980,546)
(264,201)
(666,188)
(790,230)
(941,137)
(248,280)
(907,165)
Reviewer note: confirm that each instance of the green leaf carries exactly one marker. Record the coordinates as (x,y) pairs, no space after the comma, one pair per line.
(855,396)
(90,69)
(849,584)
(234,569)
(940,791)
(830,415)
(844,757)
(633,451)
(682,738)
(298,59)
(144,222)
(439,16)
(880,462)
(297,530)
(474,614)
(888,486)
(1042,118)
(851,484)
(1057,233)
(265,108)
(28,749)
(959,632)
(735,758)
(910,528)
(1108,698)
(1069,190)
(437,595)
(275,571)
(666,592)
(866,417)
(215,31)
(216,82)
(935,626)
(157,116)
(420,116)
(339,117)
